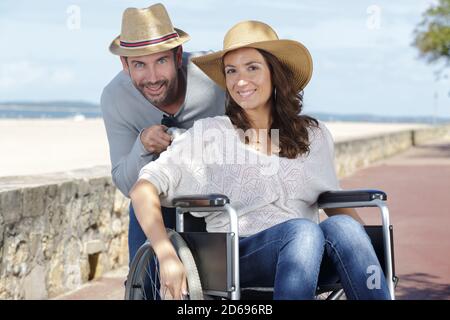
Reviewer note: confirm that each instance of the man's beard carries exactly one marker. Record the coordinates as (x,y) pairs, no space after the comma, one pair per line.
(166,97)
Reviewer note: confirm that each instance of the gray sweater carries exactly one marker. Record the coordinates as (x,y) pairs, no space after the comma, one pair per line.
(126,112)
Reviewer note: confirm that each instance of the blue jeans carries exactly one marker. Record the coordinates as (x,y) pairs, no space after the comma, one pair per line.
(288,256)
(136,237)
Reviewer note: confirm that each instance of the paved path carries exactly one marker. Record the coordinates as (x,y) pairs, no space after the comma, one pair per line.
(417,183)
(418,186)
(109,287)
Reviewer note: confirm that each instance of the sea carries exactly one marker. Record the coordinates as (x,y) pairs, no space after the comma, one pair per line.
(83,110)
(20,111)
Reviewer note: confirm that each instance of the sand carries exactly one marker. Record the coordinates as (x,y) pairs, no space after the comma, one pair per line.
(29,146)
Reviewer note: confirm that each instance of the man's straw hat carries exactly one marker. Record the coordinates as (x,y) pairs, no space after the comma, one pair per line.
(258,35)
(146,31)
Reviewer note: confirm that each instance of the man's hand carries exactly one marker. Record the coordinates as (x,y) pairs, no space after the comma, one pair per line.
(155,139)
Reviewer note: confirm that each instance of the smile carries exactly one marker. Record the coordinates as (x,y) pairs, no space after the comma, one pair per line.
(154,89)
(247,93)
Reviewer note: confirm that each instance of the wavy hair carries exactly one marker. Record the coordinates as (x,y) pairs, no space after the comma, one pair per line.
(286,111)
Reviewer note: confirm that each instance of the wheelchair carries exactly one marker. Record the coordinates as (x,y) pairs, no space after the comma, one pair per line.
(211,260)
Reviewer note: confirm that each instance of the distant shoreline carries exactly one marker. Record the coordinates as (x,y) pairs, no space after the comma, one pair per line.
(50,114)
(80,109)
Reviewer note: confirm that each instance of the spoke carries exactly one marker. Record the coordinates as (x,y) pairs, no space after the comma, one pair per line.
(153,286)
(157,278)
(142,285)
(153,282)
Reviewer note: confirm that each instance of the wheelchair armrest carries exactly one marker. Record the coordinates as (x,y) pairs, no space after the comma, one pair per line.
(347,196)
(200,201)
(214,202)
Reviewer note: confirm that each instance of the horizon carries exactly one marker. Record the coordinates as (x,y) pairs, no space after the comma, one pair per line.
(363,59)
(85,110)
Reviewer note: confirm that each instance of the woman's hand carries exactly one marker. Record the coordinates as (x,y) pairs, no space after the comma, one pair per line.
(173,276)
(145,199)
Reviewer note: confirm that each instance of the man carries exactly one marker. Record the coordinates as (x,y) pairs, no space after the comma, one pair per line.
(158,84)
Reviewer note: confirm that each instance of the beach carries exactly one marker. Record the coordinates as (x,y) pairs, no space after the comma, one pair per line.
(31,146)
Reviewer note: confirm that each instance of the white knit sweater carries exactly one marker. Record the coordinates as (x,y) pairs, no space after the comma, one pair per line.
(264,190)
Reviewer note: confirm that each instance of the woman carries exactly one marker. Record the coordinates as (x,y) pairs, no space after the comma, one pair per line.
(283,243)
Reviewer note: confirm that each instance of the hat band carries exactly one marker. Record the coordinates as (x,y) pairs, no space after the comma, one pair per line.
(148,42)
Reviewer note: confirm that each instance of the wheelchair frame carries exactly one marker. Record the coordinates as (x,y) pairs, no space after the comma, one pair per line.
(327,200)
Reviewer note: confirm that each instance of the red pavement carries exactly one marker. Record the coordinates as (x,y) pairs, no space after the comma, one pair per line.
(417,183)
(109,287)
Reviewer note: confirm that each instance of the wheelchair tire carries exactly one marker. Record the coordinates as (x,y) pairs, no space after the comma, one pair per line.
(138,274)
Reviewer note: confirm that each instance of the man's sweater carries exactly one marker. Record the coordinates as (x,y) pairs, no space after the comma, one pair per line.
(126,113)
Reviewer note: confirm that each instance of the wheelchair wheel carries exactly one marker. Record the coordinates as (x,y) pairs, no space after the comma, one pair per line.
(333,295)
(143,281)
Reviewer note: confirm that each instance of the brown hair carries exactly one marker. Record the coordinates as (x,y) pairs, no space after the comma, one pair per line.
(286,108)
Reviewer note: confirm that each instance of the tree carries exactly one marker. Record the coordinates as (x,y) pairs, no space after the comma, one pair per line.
(433,33)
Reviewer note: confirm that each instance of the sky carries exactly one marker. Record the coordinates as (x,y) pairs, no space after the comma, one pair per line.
(363,58)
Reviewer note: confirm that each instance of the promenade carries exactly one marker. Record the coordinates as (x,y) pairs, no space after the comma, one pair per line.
(417,183)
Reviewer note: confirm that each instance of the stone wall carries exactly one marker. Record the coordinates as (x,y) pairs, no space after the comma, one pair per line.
(424,135)
(61,230)
(358,153)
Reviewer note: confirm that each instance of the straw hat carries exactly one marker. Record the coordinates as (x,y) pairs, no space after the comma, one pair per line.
(146,31)
(258,35)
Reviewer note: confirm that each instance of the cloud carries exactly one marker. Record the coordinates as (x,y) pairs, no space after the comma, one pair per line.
(19,74)
(25,73)
(61,76)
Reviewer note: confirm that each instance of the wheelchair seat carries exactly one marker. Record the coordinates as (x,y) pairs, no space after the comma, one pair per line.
(211,253)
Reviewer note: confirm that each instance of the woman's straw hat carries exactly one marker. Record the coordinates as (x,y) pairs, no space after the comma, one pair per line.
(258,35)
(146,31)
